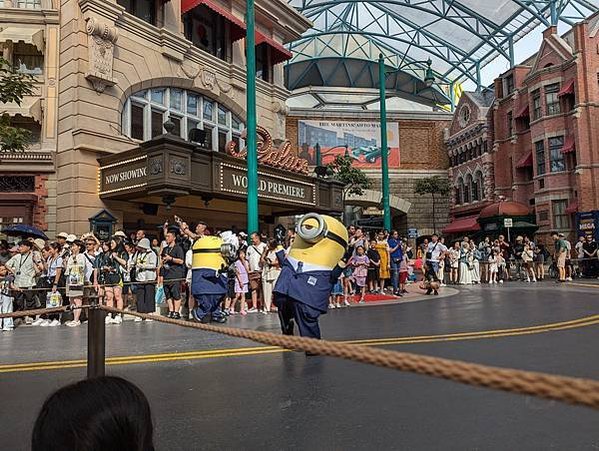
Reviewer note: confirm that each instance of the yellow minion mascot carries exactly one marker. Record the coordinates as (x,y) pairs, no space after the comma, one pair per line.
(308,273)
(208,279)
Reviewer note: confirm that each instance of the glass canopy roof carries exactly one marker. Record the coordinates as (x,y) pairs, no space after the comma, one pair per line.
(459,36)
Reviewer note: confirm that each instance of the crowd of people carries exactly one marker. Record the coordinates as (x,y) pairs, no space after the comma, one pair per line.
(137,272)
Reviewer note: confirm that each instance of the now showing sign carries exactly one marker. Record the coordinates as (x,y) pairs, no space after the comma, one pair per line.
(123,176)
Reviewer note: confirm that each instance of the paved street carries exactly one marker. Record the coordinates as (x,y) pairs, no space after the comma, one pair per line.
(210,392)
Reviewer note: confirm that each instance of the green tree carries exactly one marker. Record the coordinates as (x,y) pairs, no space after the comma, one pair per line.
(354,179)
(13,87)
(435,186)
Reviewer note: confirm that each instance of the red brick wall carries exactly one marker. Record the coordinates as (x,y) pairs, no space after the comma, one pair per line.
(40,209)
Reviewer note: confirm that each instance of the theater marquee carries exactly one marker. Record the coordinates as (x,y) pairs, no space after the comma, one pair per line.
(233,179)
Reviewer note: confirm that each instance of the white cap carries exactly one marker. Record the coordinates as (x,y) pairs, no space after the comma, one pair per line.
(120,233)
(64,235)
(71,238)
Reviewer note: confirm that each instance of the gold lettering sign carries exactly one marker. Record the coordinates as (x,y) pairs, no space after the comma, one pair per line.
(282,158)
(123,176)
(233,180)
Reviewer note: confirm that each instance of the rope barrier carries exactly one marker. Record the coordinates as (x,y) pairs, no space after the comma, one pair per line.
(570,390)
(43,311)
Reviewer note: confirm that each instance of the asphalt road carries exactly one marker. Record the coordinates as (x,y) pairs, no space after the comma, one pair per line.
(283,400)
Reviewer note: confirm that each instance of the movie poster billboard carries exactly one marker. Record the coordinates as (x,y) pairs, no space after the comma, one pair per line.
(587,224)
(363,141)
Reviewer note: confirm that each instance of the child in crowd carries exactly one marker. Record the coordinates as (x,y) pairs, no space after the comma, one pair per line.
(336,294)
(360,263)
(242,280)
(373,268)
(493,267)
(6,286)
(404,268)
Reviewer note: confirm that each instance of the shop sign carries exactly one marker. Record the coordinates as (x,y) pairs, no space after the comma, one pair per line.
(233,179)
(124,175)
(508,222)
(588,223)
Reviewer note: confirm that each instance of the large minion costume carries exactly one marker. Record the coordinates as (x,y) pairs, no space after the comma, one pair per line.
(208,278)
(308,272)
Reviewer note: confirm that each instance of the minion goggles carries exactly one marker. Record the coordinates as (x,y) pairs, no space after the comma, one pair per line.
(320,232)
(227,251)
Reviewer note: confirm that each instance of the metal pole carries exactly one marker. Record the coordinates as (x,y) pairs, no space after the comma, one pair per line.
(554,14)
(318,155)
(252,152)
(384,148)
(96,342)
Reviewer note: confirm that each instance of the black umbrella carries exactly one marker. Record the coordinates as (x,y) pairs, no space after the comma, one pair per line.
(24,231)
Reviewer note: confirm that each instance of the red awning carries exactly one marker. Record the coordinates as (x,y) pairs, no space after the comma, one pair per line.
(237,25)
(569,145)
(278,53)
(567,89)
(524,112)
(525,161)
(461,225)
(572,207)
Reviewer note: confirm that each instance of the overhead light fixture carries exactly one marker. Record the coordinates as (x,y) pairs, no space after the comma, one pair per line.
(429,76)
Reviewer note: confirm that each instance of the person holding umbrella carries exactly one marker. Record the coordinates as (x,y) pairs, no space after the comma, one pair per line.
(25,271)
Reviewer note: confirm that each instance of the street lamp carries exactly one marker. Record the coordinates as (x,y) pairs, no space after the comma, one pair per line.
(429,79)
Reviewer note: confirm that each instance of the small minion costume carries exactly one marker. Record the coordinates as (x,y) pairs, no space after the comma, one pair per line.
(308,273)
(208,283)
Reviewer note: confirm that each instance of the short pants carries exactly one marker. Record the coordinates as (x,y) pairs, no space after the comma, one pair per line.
(172,290)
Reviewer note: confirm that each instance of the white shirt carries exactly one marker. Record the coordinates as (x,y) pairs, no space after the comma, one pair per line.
(254,254)
(579,249)
(436,249)
(24,269)
(89,265)
(146,263)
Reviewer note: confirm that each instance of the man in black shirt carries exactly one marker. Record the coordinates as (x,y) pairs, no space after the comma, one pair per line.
(173,268)
(589,249)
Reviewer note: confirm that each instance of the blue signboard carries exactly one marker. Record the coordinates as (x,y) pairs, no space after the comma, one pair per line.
(587,223)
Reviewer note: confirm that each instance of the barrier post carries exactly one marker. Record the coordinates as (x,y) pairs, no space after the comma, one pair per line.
(96,340)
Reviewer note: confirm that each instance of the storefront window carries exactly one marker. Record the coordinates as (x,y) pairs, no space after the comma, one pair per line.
(207,30)
(143,9)
(556,155)
(540,154)
(551,99)
(146,112)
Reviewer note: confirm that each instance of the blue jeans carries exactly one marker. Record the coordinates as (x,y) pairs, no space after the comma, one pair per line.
(395,274)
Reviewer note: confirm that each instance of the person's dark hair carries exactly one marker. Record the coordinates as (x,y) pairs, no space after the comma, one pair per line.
(272,243)
(79,244)
(554,234)
(26,243)
(54,245)
(106,413)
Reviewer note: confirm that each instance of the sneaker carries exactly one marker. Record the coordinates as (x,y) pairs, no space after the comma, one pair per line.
(232,312)
(149,320)
(501,281)
(176,315)
(265,312)
(44,323)
(138,319)
(37,322)
(337,305)
(569,279)
(331,305)
(253,310)
(55,323)
(117,319)
(8,328)
(534,280)
(528,280)
(346,303)
(170,314)
(29,320)
(73,323)
(361,301)
(108,319)
(244,312)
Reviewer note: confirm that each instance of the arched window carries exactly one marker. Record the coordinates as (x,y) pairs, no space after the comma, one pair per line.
(475,192)
(459,192)
(467,188)
(146,111)
(480,184)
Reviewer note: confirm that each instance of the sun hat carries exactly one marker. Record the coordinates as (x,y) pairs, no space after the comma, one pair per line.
(39,243)
(71,238)
(64,235)
(144,244)
(120,233)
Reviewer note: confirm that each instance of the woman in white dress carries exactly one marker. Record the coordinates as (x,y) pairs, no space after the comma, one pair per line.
(454,262)
(465,264)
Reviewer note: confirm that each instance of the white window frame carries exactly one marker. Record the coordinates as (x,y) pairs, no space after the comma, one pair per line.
(148,105)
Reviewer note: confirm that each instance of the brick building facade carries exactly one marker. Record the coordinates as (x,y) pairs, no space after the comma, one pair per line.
(422,154)
(469,141)
(546,145)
